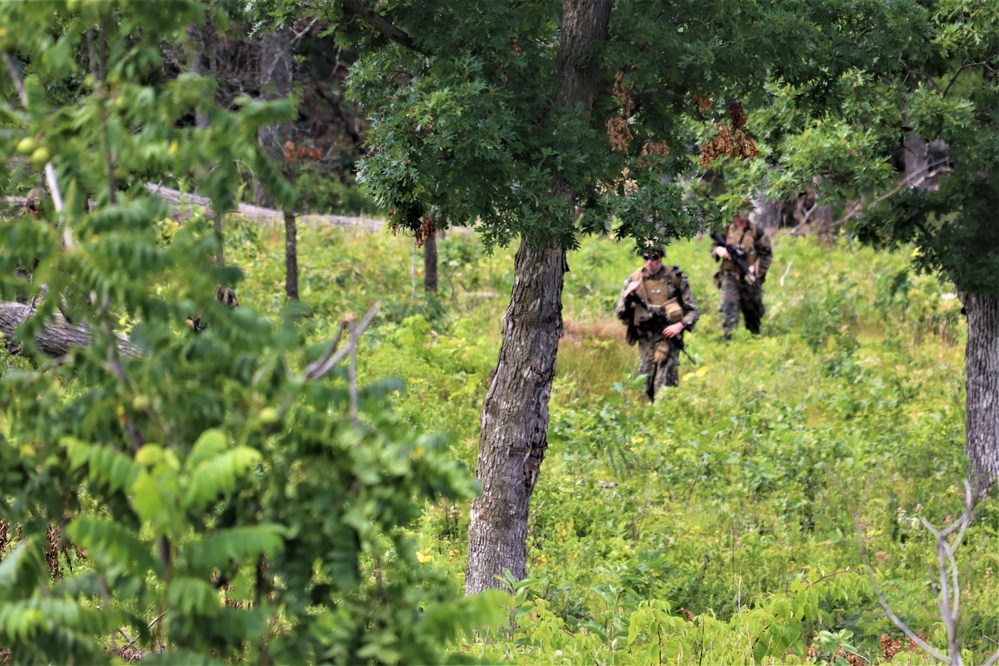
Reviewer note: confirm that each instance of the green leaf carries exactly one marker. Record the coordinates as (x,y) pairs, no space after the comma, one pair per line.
(105,538)
(240,544)
(192,596)
(147,497)
(106,465)
(218,475)
(23,569)
(209,444)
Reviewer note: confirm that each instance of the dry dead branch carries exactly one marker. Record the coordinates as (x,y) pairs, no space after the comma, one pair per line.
(950,592)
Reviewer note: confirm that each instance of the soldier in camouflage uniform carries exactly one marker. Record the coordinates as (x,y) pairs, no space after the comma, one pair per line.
(25,268)
(739,292)
(658,306)
(33,202)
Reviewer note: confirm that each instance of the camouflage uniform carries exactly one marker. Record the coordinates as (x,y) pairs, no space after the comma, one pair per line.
(33,202)
(658,358)
(738,295)
(25,268)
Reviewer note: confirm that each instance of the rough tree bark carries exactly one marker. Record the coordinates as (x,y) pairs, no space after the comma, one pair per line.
(982,382)
(514,432)
(277,69)
(290,255)
(430,283)
(767,215)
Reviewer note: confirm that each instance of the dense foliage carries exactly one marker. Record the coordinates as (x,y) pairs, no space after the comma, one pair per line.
(200,493)
(224,493)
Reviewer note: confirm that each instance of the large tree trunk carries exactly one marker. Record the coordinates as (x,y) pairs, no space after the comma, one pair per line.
(982,382)
(515,419)
(514,432)
(767,215)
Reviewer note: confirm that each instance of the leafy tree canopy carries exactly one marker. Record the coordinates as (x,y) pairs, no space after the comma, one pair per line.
(466,121)
(936,80)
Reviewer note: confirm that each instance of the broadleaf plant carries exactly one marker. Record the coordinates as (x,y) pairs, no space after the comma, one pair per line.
(180,493)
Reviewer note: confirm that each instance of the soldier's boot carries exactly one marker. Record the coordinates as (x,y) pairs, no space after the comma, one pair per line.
(730,321)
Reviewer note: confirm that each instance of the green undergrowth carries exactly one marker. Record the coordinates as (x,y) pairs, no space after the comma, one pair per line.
(720,524)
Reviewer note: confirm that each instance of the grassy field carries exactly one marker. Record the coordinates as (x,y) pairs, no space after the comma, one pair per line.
(719,525)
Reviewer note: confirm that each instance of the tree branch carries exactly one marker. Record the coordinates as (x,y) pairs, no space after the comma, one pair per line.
(945,554)
(18,84)
(352,379)
(133,640)
(312,367)
(931,170)
(298,36)
(960,69)
(883,602)
(381,25)
(322,367)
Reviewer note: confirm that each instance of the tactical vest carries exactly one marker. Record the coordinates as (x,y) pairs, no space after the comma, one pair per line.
(661,294)
(744,239)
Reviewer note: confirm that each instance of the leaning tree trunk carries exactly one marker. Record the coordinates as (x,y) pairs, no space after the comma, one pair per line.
(514,432)
(204,39)
(290,255)
(982,382)
(277,71)
(430,264)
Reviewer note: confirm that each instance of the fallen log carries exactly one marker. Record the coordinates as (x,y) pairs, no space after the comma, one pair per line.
(58,337)
(184,204)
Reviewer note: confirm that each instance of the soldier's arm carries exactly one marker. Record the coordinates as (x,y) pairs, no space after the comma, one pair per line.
(714,245)
(764,253)
(620,308)
(690,312)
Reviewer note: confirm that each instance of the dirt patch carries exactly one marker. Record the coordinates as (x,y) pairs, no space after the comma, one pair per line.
(584,333)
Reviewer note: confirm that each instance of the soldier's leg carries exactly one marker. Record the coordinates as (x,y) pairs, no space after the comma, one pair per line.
(729,303)
(647,367)
(668,371)
(752,307)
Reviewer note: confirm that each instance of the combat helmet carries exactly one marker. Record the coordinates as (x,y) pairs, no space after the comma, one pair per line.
(651,250)
(33,202)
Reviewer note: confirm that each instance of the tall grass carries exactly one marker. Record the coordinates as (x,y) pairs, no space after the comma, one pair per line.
(734,494)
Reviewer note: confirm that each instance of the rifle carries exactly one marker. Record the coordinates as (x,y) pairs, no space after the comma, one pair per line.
(738,256)
(657,321)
